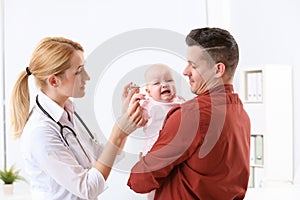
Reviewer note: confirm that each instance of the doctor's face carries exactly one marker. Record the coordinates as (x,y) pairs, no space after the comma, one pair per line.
(198,70)
(74,78)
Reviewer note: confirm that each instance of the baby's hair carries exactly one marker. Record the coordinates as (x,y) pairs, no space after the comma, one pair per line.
(152,68)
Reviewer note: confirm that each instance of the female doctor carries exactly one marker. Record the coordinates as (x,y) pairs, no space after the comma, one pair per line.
(62,157)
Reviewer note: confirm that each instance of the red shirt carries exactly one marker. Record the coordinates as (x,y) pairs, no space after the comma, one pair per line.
(202,151)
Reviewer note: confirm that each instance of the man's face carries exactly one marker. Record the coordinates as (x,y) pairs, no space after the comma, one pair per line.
(198,71)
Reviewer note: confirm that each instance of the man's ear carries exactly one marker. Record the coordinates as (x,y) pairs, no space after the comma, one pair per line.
(220,70)
(52,80)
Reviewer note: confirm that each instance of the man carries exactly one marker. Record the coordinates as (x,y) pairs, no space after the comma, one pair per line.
(203,148)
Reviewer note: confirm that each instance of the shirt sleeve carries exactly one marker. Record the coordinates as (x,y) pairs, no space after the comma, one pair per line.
(175,144)
(58,162)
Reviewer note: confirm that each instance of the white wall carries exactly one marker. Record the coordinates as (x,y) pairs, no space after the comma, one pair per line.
(268,33)
(91,23)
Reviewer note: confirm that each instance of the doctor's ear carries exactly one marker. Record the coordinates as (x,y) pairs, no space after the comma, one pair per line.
(53,80)
(220,69)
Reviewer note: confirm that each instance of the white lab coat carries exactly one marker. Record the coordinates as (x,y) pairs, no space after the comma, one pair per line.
(55,170)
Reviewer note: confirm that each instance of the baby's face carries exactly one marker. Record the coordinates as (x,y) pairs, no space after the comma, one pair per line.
(161,86)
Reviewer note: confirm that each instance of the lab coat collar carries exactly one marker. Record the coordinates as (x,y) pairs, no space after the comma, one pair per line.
(54,110)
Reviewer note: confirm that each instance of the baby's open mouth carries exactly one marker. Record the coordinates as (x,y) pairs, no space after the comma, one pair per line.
(166,92)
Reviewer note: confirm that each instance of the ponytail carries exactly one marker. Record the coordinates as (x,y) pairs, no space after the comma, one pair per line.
(19,104)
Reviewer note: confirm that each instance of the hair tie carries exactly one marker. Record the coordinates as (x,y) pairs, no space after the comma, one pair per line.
(27,71)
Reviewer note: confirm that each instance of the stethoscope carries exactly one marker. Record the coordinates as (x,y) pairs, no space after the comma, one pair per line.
(62,127)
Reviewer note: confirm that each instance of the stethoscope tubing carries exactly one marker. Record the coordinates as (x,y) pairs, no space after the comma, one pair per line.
(67,127)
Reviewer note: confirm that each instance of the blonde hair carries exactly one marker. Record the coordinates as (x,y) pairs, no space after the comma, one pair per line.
(51,56)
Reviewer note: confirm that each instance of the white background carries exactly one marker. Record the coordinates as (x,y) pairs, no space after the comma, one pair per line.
(91,23)
(267,33)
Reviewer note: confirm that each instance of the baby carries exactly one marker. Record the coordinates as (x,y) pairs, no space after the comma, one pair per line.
(161,91)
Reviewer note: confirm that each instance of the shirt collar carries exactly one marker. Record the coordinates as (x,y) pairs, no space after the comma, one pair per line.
(226,88)
(54,110)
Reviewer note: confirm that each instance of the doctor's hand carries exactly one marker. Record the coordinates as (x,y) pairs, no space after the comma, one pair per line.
(132,114)
(128,91)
